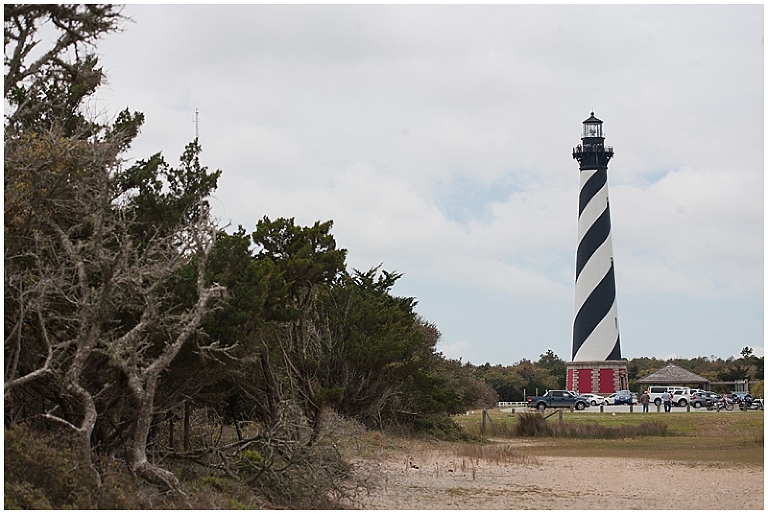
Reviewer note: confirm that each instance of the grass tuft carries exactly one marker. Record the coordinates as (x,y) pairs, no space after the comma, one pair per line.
(532,424)
(497,454)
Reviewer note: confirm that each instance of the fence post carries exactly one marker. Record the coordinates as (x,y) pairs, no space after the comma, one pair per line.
(602,408)
(560,415)
(187,414)
(482,428)
(658,407)
(631,406)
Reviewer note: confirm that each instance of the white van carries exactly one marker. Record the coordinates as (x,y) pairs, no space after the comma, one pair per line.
(681,396)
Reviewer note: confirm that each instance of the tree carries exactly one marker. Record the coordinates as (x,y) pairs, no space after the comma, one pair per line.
(306,257)
(555,365)
(48,90)
(735,372)
(525,376)
(322,337)
(92,273)
(93,288)
(56,165)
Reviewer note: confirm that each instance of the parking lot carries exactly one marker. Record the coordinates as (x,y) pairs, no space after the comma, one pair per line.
(651,408)
(624,408)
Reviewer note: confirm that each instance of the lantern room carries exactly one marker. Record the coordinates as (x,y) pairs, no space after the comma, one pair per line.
(593,127)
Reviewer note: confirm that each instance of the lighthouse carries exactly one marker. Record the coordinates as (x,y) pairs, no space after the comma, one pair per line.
(596,365)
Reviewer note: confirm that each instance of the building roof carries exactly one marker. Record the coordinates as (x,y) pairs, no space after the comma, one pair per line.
(671,374)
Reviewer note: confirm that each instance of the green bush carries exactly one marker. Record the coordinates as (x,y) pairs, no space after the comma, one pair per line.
(42,472)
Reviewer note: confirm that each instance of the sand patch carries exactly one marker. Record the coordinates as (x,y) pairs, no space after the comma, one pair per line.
(438,478)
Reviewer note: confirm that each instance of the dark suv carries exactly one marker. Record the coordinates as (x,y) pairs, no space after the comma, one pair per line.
(623,398)
(703,399)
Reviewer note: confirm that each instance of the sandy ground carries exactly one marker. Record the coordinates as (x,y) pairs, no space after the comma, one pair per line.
(435,479)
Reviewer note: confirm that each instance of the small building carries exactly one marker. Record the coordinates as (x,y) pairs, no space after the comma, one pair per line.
(674,376)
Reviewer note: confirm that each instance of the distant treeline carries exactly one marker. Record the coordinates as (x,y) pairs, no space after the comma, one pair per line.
(511,383)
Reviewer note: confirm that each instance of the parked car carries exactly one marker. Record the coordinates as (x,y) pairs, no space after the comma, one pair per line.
(623,398)
(655,393)
(610,399)
(680,395)
(557,398)
(703,398)
(594,399)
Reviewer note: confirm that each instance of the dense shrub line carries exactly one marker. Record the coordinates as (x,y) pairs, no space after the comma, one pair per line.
(533,424)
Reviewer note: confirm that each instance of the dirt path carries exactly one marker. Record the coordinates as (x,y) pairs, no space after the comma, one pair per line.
(434,479)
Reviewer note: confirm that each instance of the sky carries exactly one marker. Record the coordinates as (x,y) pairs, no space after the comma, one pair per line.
(438,139)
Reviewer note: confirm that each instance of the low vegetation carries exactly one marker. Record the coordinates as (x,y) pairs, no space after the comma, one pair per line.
(533,424)
(42,471)
(726,437)
(280,469)
(497,454)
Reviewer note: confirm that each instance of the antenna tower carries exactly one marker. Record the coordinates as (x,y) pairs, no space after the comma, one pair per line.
(197,124)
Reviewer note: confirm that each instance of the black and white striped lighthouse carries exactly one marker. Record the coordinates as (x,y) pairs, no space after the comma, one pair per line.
(596,356)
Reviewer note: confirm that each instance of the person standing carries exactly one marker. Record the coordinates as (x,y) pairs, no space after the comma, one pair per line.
(645,399)
(667,399)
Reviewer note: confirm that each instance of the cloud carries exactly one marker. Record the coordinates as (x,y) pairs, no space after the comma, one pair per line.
(438,139)
(458,350)
(694,232)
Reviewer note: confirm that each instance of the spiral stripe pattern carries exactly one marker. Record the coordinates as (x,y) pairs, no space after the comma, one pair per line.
(595,325)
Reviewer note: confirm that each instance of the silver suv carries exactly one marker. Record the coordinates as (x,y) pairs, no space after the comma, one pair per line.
(703,399)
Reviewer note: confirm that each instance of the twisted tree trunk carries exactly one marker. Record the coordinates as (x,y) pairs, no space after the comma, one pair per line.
(143,383)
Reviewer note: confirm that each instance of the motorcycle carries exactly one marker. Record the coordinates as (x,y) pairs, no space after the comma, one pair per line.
(749,403)
(744,402)
(722,403)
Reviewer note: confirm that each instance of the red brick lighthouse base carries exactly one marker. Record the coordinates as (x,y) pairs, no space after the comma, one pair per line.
(599,377)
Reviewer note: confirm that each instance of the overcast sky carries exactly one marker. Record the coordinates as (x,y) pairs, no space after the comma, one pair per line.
(438,139)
